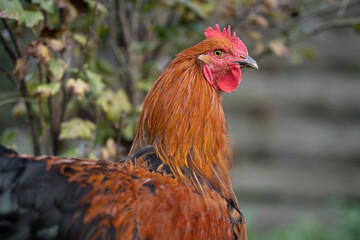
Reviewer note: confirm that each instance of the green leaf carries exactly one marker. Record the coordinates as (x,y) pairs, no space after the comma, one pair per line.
(11,10)
(57,67)
(193,7)
(128,132)
(45,90)
(145,86)
(95,82)
(32,18)
(8,137)
(114,104)
(47,5)
(357,27)
(308,53)
(100,7)
(70,152)
(80,38)
(76,128)
(104,66)
(122,100)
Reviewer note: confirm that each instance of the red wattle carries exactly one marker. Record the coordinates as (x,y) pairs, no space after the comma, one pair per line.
(230,81)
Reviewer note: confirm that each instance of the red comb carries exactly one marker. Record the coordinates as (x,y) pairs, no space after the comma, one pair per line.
(226,33)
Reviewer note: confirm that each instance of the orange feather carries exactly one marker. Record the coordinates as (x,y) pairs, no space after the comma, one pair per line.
(183,117)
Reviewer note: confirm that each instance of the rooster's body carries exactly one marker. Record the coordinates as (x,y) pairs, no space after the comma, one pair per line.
(176,183)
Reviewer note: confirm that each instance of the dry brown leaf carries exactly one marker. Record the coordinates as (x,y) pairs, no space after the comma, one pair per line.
(272,3)
(38,50)
(70,12)
(261,21)
(259,48)
(110,151)
(51,33)
(279,48)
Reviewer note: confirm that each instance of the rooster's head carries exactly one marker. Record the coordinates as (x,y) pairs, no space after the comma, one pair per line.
(222,57)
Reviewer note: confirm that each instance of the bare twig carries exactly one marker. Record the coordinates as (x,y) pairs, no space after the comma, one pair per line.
(54,126)
(135,18)
(41,116)
(172,14)
(86,47)
(118,53)
(66,98)
(25,94)
(8,49)
(12,38)
(343,5)
(9,75)
(13,100)
(124,22)
(336,23)
(31,117)
(43,127)
(91,144)
(130,66)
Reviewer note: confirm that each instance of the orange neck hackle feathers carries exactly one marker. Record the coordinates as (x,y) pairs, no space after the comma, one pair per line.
(183,117)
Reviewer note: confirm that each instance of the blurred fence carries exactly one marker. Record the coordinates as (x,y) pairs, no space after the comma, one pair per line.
(296,133)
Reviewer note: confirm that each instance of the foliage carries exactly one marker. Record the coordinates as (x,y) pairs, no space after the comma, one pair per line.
(83,67)
(345,226)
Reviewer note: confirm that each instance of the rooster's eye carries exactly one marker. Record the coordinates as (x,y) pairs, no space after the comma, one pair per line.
(218,53)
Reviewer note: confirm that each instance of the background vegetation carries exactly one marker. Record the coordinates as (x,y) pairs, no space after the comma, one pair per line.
(74,73)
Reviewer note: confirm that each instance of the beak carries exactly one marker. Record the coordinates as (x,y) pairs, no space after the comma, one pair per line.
(248,62)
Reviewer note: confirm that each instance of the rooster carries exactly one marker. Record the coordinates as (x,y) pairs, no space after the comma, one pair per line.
(174,184)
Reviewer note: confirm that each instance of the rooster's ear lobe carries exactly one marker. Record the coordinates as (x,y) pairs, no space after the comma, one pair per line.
(204,58)
(208,75)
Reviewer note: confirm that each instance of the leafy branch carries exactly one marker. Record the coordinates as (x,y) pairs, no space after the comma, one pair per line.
(23,89)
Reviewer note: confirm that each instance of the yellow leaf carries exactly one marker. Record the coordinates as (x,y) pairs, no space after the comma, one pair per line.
(110,151)
(78,87)
(19,109)
(20,68)
(45,90)
(80,38)
(254,35)
(56,45)
(76,128)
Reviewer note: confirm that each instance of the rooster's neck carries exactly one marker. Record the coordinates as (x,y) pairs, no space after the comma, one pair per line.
(183,118)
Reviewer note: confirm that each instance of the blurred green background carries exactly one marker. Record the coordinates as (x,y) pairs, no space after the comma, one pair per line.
(86,66)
